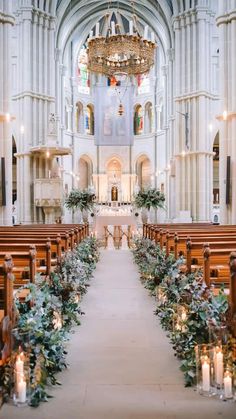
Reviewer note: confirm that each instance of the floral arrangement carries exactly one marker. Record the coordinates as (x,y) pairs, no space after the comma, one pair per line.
(47,315)
(80,199)
(149,198)
(175,289)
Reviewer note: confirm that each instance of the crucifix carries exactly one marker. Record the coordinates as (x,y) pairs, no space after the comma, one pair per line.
(186,119)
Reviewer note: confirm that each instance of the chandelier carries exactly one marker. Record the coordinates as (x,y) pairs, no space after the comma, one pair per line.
(116,52)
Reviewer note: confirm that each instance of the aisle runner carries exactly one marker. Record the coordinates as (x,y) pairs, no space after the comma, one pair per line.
(121,363)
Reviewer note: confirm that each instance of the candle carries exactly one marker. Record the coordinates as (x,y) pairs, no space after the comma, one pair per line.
(91,34)
(228,385)
(205,375)
(153,37)
(21,388)
(184,315)
(219,367)
(145,36)
(19,365)
(113,29)
(131,27)
(97,30)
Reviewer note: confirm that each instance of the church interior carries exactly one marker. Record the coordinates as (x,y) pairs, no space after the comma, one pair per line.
(117,201)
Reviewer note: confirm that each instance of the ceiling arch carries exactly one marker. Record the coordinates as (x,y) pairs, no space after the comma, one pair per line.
(75,18)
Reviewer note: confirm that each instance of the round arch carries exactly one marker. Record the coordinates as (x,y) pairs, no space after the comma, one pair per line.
(143,171)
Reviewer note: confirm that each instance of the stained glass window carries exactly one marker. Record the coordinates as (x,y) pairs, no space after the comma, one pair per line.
(138,120)
(143,81)
(83,73)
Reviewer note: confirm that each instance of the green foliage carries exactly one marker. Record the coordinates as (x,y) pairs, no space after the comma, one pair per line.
(47,315)
(80,199)
(149,198)
(204,309)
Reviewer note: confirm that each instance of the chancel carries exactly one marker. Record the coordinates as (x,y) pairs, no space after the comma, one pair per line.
(118,202)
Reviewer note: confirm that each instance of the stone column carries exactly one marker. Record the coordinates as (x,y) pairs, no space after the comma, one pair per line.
(226,23)
(34,98)
(194,100)
(6,24)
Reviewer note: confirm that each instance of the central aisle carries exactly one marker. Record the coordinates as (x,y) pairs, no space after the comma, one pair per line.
(121,363)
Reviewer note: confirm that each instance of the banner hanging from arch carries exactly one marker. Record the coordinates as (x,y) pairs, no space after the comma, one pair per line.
(111,127)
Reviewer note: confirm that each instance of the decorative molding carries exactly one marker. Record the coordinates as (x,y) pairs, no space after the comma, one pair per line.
(227,18)
(5,18)
(194,153)
(230,115)
(33,95)
(196,94)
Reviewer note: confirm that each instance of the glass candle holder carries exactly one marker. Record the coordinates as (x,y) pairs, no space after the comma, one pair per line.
(228,384)
(218,367)
(21,391)
(21,346)
(204,369)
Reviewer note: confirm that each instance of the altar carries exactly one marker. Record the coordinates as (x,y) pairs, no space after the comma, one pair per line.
(114,217)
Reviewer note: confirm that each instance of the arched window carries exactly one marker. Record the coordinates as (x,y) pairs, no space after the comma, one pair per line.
(143,81)
(148,118)
(138,120)
(83,73)
(89,120)
(79,113)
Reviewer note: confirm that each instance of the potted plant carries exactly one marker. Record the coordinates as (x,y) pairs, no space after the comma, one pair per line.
(147,199)
(82,200)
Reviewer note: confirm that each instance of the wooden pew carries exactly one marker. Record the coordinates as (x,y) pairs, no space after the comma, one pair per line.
(6,311)
(217,259)
(194,249)
(24,261)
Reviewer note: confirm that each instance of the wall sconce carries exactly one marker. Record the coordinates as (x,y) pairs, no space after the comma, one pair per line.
(225,115)
(8,117)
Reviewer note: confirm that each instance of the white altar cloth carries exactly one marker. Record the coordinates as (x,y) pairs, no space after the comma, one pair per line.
(115,220)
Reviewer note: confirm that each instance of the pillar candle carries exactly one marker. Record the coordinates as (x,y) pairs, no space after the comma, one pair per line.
(131,27)
(219,367)
(205,376)
(145,36)
(153,37)
(113,29)
(21,391)
(19,365)
(228,386)
(97,29)
(91,34)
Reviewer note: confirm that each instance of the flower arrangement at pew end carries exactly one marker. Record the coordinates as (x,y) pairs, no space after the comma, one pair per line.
(203,310)
(47,316)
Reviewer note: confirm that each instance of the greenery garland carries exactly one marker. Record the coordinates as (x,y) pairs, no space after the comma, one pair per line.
(47,315)
(176,289)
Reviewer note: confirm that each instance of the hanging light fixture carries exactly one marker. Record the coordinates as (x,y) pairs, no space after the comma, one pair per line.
(130,53)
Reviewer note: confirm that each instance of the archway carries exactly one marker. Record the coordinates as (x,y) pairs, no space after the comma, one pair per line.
(85,171)
(89,120)
(138,120)
(79,118)
(148,118)
(143,171)
(114,171)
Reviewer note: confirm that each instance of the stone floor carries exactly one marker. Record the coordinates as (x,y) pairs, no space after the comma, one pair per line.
(121,363)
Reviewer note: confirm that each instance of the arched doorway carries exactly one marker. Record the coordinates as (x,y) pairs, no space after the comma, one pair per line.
(85,171)
(143,171)
(114,171)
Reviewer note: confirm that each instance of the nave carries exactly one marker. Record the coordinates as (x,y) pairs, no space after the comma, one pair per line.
(121,363)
